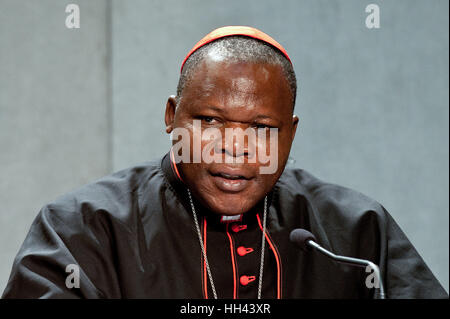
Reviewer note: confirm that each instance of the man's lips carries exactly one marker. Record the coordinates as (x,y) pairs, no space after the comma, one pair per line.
(231,180)
(231,172)
(228,176)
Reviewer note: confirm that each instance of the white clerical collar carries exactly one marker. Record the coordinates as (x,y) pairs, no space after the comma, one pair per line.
(230,218)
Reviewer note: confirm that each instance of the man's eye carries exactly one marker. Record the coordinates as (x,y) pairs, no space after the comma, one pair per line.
(207,119)
(264,126)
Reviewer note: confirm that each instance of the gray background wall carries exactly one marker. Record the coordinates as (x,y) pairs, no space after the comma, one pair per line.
(373,104)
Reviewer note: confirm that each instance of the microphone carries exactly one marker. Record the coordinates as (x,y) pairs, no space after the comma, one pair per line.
(304,240)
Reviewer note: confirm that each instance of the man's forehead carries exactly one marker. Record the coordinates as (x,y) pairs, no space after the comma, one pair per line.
(236,72)
(242,87)
(238,78)
(237,106)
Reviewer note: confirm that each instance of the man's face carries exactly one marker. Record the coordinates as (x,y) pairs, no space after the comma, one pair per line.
(233,95)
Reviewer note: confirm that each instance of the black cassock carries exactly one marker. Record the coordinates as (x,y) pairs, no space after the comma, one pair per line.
(132,235)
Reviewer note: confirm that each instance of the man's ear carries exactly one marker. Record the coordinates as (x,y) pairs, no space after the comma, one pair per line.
(294,125)
(169,116)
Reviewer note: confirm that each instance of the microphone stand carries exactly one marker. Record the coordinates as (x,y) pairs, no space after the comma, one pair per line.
(379,294)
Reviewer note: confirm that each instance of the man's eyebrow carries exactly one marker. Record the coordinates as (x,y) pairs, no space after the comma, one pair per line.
(215,108)
(263,117)
(274,120)
(256,118)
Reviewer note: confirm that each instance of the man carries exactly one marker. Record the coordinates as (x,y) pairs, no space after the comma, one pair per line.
(212,218)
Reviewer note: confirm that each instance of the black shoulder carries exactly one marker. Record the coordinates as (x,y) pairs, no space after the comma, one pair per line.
(115,195)
(326,196)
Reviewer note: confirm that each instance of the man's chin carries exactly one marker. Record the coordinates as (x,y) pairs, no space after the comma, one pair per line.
(230,204)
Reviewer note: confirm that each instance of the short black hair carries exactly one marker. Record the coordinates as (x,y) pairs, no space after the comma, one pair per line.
(239,49)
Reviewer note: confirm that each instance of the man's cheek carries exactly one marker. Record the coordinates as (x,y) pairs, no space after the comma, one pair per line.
(268,151)
(196,141)
(181,145)
(211,146)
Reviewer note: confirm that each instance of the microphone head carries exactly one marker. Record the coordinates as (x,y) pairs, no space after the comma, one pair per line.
(300,238)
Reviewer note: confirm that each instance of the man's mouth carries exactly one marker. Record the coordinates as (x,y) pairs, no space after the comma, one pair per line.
(230,182)
(229,176)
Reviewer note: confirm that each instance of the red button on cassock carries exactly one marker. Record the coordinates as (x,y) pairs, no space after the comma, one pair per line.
(245,280)
(237,228)
(242,251)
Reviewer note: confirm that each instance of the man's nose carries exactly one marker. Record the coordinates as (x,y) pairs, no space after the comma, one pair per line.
(238,142)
